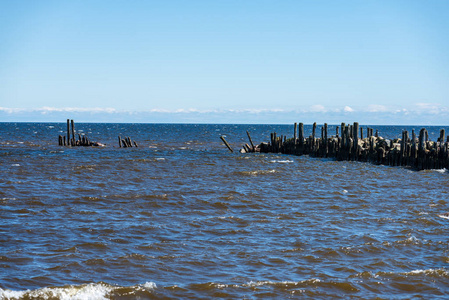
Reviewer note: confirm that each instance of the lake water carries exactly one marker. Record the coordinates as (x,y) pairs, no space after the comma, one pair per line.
(182,217)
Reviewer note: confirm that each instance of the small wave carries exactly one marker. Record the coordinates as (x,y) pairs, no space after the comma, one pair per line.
(15,165)
(255,173)
(444,216)
(282,283)
(444,170)
(281,161)
(88,291)
(95,291)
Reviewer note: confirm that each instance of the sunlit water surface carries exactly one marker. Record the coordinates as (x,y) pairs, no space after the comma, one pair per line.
(182,217)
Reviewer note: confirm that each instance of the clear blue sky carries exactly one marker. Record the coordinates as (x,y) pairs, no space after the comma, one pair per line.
(194,61)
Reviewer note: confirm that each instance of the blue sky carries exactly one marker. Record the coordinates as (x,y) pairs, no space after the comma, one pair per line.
(375,62)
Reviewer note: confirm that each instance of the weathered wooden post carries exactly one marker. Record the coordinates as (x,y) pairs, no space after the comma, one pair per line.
(356,140)
(68,132)
(326,146)
(251,141)
(301,134)
(442,134)
(421,149)
(226,143)
(73,132)
(295,133)
(313,130)
(125,145)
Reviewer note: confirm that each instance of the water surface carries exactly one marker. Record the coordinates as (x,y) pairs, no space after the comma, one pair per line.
(182,217)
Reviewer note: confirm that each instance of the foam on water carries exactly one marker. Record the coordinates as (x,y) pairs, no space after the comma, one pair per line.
(91,291)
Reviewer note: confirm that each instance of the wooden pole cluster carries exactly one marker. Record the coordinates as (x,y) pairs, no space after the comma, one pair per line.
(75,140)
(126,142)
(416,152)
(249,148)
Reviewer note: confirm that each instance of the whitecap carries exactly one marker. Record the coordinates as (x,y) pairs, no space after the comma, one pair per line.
(149,285)
(88,291)
(281,161)
(15,165)
(444,216)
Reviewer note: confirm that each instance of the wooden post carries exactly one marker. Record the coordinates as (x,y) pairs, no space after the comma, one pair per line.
(68,132)
(336,132)
(421,149)
(301,134)
(356,140)
(73,132)
(326,146)
(313,130)
(295,133)
(226,143)
(120,141)
(250,140)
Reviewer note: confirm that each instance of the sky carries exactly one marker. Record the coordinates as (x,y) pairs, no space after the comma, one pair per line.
(225,61)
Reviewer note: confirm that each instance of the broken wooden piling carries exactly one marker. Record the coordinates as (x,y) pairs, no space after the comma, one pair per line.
(71,141)
(226,143)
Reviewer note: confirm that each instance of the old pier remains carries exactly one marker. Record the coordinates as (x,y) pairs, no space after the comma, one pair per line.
(73,139)
(349,143)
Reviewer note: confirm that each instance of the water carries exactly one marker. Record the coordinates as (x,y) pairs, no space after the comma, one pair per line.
(182,217)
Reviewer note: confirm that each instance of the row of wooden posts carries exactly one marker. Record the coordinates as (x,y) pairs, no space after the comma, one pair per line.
(83,140)
(414,151)
(71,137)
(126,142)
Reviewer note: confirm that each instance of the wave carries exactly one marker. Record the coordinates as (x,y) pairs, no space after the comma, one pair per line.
(281,161)
(97,291)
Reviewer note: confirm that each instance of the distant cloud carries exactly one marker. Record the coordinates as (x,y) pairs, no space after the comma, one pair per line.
(432,108)
(377,108)
(318,108)
(348,109)
(415,114)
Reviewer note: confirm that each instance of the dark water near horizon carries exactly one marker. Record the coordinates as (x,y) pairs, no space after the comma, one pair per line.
(181,217)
